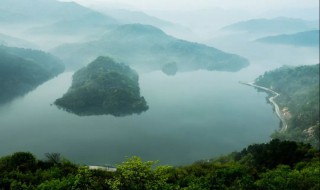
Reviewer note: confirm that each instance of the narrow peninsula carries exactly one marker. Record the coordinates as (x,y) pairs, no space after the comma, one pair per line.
(104,87)
(296,101)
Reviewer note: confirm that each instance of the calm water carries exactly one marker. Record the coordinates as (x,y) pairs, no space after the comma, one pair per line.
(192,116)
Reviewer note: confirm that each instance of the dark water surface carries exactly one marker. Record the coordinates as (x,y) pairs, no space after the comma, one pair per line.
(192,116)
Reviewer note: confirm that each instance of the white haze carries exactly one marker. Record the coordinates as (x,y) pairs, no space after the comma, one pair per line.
(205,17)
(247,5)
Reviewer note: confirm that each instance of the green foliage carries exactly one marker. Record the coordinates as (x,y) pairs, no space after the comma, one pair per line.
(104,87)
(208,175)
(299,92)
(283,177)
(277,153)
(134,174)
(55,184)
(286,168)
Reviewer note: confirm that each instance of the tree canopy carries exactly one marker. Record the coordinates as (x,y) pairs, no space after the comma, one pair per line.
(299,100)
(104,87)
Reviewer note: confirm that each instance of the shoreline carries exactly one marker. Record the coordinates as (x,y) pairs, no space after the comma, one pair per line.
(284,126)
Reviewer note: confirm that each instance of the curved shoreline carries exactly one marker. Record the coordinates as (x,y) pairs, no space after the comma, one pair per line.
(271,99)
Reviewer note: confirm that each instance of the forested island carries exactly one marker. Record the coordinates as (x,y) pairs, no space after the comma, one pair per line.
(104,87)
(274,165)
(22,70)
(298,101)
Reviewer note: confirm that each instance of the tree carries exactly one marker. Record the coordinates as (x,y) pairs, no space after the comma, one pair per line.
(134,174)
(23,161)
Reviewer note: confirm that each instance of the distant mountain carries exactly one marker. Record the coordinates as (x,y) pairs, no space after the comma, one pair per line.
(25,11)
(6,40)
(273,26)
(21,70)
(308,38)
(137,17)
(89,23)
(148,48)
(133,17)
(49,23)
(104,87)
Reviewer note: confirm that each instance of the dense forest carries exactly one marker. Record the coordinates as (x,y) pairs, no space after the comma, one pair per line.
(21,70)
(274,165)
(104,87)
(299,101)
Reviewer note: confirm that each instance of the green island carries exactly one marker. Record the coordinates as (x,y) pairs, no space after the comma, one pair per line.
(22,70)
(104,87)
(298,101)
(274,165)
(170,68)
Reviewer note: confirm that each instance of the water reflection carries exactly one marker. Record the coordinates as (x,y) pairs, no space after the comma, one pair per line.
(192,116)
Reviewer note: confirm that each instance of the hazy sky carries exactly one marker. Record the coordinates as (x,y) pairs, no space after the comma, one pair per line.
(250,5)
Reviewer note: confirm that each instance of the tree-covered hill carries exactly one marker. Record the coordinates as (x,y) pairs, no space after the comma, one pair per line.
(307,38)
(104,87)
(148,48)
(21,70)
(299,100)
(275,165)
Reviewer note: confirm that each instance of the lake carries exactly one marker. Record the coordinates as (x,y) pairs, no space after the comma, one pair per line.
(192,116)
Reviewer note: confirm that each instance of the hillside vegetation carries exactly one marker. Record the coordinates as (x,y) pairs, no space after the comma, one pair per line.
(21,70)
(275,165)
(104,87)
(299,100)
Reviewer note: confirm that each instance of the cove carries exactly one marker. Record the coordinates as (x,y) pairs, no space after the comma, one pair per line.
(192,116)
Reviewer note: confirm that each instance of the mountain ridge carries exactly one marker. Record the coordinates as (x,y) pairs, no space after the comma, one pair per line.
(273,25)
(148,47)
(306,38)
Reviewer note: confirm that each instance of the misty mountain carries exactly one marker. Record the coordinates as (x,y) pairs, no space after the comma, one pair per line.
(104,87)
(29,11)
(148,48)
(275,26)
(133,17)
(90,23)
(22,70)
(6,40)
(49,23)
(307,38)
